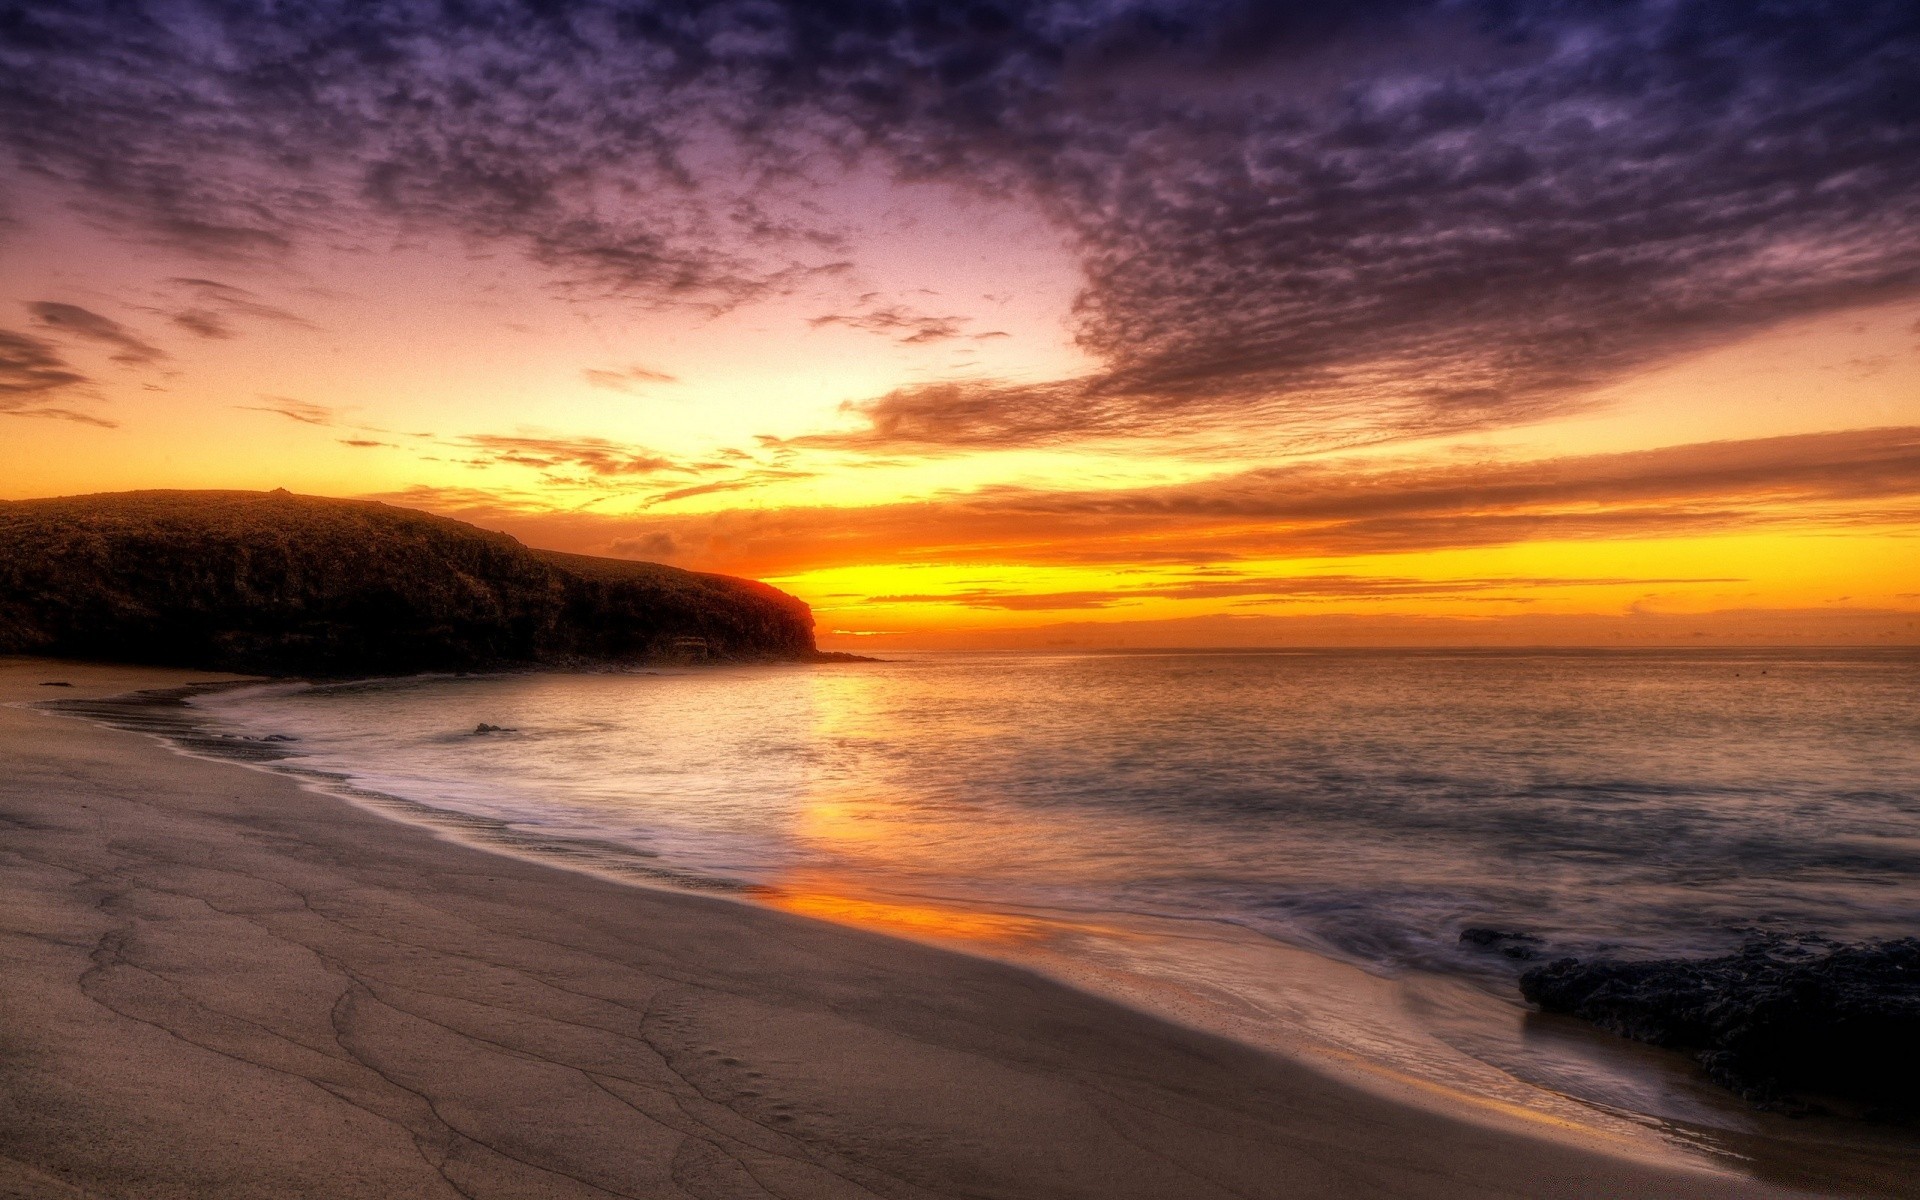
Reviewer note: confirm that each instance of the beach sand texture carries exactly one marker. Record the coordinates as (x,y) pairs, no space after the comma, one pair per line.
(218,984)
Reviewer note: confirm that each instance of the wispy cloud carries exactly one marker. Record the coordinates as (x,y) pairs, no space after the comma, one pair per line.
(1283,589)
(899,322)
(209,309)
(628,379)
(744,481)
(492,504)
(32,373)
(31,368)
(61,414)
(74,321)
(973,415)
(302,411)
(590,456)
(702,489)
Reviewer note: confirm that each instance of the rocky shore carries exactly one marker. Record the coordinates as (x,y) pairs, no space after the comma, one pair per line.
(1792,1024)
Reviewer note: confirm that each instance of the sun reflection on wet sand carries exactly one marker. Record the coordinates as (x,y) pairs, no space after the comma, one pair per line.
(916,919)
(1366,1030)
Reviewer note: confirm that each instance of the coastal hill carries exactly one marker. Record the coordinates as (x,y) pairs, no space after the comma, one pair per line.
(278,584)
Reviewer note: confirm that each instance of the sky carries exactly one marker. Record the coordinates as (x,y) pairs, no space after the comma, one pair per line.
(1026,325)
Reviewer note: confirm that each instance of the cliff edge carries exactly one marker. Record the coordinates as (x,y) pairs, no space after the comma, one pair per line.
(277,584)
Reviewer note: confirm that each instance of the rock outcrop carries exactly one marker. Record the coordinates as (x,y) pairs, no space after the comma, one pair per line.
(1782,1023)
(1522,947)
(278,584)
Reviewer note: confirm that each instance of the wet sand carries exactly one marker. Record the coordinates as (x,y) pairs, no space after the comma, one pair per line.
(216,983)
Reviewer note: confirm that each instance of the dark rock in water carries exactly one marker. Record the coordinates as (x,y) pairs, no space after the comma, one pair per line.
(276,584)
(1778,1022)
(280,737)
(56,683)
(483,727)
(1514,945)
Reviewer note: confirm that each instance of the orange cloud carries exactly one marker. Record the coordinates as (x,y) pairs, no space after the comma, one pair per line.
(1298,587)
(1853,479)
(591,456)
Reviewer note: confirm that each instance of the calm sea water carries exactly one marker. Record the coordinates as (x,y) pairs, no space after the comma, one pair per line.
(1367,806)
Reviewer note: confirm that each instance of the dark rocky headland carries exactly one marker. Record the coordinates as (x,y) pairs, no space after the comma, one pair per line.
(276,584)
(1786,1024)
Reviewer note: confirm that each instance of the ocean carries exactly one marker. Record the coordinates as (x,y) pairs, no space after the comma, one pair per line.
(1187,830)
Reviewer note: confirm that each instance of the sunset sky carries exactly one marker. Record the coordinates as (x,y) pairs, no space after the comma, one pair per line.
(1094,323)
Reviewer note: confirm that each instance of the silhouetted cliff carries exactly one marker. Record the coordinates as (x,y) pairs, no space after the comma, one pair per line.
(279,584)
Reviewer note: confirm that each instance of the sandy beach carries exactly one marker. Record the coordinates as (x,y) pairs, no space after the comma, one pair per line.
(217,983)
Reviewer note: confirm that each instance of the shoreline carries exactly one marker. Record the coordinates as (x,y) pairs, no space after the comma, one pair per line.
(1350,1017)
(1448,1042)
(1303,1117)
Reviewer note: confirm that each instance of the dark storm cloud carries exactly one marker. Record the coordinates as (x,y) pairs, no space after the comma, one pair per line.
(1339,223)
(79,322)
